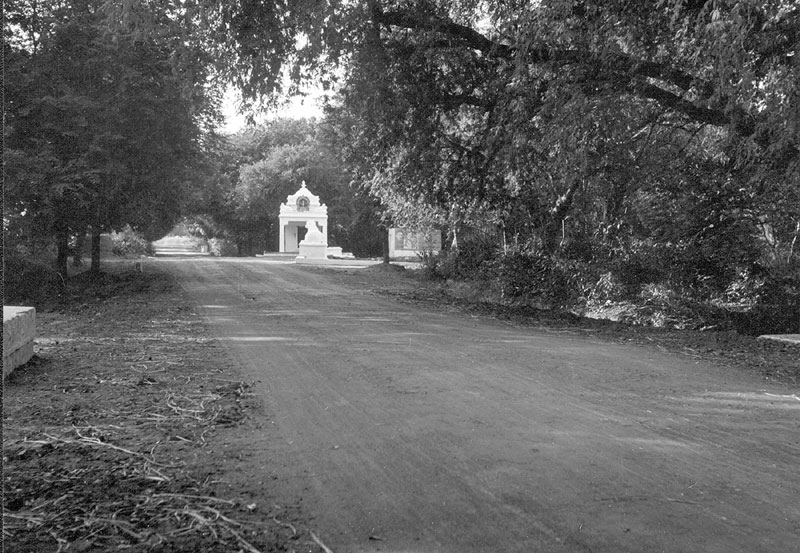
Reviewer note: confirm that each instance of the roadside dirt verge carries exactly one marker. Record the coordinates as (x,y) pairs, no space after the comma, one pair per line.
(774,361)
(127,428)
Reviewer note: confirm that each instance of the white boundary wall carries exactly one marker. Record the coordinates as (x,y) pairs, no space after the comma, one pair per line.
(410,243)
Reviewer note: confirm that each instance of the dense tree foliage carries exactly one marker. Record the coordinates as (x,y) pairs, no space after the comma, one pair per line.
(103,122)
(633,143)
(662,133)
(569,104)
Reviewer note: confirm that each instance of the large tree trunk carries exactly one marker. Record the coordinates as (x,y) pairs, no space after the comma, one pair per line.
(385,233)
(77,253)
(62,252)
(94,269)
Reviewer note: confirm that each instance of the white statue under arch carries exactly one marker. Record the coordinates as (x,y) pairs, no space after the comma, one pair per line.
(303,210)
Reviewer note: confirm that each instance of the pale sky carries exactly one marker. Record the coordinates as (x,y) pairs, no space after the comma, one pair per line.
(298,108)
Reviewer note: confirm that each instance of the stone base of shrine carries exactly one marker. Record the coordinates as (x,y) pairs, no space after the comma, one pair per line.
(338,262)
(312,251)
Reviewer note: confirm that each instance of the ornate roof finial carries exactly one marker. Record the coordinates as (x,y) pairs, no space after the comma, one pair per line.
(303,185)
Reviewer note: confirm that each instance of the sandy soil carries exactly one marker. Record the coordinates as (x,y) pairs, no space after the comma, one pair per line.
(271,407)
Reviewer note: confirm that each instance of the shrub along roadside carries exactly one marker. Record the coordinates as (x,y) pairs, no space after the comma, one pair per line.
(644,283)
(27,282)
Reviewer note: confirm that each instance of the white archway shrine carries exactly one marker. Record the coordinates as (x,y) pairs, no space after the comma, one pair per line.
(303,210)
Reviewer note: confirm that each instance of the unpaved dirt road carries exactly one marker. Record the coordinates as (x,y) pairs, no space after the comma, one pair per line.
(408,430)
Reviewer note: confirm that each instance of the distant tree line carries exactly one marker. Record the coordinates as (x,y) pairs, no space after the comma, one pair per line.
(257,168)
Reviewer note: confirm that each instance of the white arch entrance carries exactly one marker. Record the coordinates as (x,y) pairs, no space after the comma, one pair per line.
(302,210)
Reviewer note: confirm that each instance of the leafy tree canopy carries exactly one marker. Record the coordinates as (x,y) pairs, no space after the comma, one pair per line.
(103,123)
(558,122)
(633,136)
(484,109)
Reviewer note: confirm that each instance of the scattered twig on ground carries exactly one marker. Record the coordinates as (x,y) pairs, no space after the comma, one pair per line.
(190,496)
(97,442)
(285,525)
(96,458)
(324,547)
(681,501)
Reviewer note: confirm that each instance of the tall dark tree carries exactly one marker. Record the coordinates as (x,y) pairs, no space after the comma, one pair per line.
(102,122)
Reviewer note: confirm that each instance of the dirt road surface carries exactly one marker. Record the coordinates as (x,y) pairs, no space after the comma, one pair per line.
(413,430)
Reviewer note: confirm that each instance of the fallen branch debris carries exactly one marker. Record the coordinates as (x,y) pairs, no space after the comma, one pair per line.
(109,434)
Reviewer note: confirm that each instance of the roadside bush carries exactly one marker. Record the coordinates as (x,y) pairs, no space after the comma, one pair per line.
(439,266)
(521,273)
(518,273)
(550,279)
(428,262)
(744,290)
(222,248)
(471,260)
(693,271)
(640,281)
(129,243)
(607,288)
(28,282)
(641,262)
(777,309)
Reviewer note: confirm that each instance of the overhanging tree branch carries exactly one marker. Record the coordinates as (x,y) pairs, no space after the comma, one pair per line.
(466,35)
(675,103)
(621,65)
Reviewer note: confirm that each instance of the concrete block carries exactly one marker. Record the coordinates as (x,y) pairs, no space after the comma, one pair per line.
(410,243)
(312,251)
(788,338)
(19,330)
